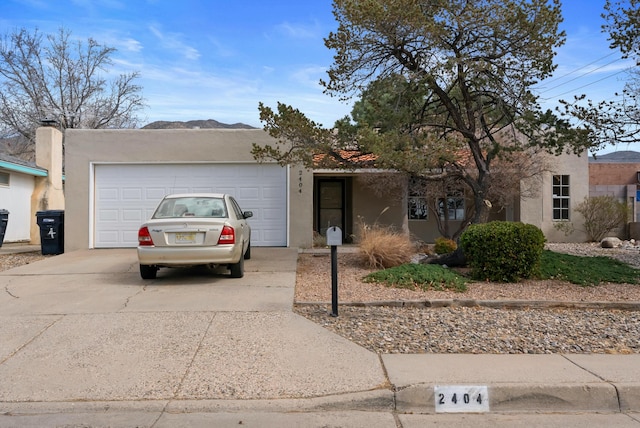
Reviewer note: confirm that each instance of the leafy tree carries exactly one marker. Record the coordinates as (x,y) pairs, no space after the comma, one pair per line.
(59,79)
(389,106)
(460,73)
(623,25)
(615,121)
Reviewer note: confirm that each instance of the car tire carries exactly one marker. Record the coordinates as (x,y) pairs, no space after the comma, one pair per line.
(247,254)
(237,269)
(148,271)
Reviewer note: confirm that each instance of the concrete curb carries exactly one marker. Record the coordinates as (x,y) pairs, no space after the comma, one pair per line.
(524,398)
(519,383)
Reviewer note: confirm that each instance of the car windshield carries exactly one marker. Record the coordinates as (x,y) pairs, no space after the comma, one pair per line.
(191,207)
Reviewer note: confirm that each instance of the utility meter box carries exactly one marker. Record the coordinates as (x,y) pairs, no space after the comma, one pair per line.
(334,236)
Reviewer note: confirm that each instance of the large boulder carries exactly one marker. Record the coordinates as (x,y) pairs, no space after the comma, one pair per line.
(610,242)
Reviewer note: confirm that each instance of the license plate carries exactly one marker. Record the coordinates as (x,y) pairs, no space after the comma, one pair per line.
(185,238)
(461,399)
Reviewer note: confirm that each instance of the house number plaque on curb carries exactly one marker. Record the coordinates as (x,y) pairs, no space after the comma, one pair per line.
(461,399)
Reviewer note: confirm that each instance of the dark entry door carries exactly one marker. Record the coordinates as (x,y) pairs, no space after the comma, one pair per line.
(331,205)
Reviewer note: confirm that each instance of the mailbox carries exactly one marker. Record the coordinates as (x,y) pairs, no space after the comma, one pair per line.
(334,236)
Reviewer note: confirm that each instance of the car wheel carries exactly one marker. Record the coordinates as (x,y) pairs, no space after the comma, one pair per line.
(247,254)
(237,269)
(148,271)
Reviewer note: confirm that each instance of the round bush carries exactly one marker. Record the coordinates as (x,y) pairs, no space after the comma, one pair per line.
(502,251)
(444,245)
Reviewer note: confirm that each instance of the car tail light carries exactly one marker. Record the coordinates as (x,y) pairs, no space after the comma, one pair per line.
(144,237)
(228,236)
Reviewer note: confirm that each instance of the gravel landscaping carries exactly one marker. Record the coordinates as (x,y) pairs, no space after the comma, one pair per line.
(9,261)
(389,320)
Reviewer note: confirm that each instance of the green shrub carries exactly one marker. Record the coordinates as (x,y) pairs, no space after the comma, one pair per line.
(502,251)
(444,245)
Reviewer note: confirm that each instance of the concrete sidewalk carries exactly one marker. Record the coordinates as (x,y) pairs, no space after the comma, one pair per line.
(82,336)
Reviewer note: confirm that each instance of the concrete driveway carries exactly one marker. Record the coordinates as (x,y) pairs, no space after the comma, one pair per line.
(84,327)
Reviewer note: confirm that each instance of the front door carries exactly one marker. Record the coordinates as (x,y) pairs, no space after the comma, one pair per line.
(330,205)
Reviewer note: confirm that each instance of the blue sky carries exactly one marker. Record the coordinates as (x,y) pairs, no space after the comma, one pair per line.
(217,59)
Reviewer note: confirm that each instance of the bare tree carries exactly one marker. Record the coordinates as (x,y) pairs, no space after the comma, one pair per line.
(615,122)
(63,81)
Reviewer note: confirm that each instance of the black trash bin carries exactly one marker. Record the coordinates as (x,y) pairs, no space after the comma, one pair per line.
(4,219)
(51,231)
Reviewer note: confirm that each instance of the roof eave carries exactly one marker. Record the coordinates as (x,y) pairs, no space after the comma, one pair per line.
(24,169)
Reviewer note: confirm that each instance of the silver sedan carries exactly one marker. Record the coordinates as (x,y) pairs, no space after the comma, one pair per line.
(195,229)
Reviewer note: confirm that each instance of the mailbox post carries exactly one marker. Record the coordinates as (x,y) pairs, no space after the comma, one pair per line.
(334,238)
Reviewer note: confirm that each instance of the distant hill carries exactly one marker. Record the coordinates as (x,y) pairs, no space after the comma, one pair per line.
(195,124)
(623,156)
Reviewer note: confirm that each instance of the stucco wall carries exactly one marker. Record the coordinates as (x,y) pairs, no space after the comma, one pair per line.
(84,148)
(371,208)
(539,210)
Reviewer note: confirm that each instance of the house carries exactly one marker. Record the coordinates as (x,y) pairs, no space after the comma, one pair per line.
(348,197)
(115,178)
(29,187)
(618,174)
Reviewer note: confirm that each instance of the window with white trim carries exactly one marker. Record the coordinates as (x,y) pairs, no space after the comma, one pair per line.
(561,197)
(4,179)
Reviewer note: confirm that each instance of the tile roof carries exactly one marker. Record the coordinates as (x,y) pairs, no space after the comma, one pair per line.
(347,158)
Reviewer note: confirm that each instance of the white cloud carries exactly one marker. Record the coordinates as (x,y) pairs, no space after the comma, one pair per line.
(310,76)
(130,45)
(299,31)
(172,42)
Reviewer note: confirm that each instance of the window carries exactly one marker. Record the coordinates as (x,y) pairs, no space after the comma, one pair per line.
(418,208)
(453,206)
(4,179)
(560,197)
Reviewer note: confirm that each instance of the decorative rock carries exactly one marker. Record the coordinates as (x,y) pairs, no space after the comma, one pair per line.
(610,242)
(419,258)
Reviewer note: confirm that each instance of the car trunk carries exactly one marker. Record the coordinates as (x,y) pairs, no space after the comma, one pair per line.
(174,233)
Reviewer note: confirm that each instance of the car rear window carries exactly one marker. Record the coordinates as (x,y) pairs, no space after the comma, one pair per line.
(191,207)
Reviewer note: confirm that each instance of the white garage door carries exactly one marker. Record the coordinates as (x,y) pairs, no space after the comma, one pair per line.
(127,194)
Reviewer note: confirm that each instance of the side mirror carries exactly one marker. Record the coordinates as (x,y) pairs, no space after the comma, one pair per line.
(247,214)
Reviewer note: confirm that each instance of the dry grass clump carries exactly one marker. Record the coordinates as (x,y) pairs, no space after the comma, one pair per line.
(382,248)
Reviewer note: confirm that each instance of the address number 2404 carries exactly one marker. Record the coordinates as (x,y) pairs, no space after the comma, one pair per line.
(460,399)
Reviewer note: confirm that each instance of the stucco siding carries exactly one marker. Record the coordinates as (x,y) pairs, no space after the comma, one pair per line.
(539,210)
(373,208)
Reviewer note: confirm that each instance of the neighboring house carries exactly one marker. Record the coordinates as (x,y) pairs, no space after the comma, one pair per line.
(29,187)
(115,178)
(618,174)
